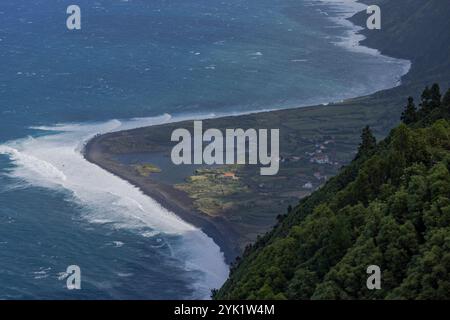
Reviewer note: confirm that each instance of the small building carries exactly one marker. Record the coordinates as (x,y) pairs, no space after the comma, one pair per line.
(230,175)
(308,186)
(320,159)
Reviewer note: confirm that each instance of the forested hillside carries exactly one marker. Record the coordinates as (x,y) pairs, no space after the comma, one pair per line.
(390,207)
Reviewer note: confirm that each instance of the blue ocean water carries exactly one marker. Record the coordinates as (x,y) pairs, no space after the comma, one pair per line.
(156,61)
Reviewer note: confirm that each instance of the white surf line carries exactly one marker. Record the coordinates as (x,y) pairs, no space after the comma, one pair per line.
(56,161)
(346,9)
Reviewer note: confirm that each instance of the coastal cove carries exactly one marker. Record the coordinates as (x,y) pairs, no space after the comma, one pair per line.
(86,176)
(316,142)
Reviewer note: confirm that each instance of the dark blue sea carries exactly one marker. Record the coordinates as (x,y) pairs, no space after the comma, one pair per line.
(136,63)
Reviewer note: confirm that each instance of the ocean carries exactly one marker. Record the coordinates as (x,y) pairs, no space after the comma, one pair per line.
(136,63)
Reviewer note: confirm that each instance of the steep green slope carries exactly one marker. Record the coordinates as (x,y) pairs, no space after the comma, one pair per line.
(390,207)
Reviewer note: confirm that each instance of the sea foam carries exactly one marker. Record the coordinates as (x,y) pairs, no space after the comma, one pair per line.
(56,161)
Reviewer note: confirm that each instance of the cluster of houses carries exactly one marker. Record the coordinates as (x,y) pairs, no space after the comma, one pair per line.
(318,156)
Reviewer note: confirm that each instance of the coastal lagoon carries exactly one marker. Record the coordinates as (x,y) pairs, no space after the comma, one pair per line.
(136,63)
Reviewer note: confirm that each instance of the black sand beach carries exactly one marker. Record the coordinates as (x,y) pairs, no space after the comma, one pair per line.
(168,197)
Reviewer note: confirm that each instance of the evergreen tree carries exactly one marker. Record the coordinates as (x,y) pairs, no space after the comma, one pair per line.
(425,104)
(410,113)
(431,99)
(446,100)
(368,142)
(435,96)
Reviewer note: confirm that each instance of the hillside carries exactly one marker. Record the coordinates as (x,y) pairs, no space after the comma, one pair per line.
(370,210)
(390,207)
(416,30)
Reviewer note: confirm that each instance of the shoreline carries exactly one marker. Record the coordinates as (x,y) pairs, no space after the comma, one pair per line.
(169,198)
(178,202)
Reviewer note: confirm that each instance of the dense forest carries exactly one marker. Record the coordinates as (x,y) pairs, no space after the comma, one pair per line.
(389,207)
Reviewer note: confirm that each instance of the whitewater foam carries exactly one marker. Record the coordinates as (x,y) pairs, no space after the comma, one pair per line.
(345,9)
(56,161)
